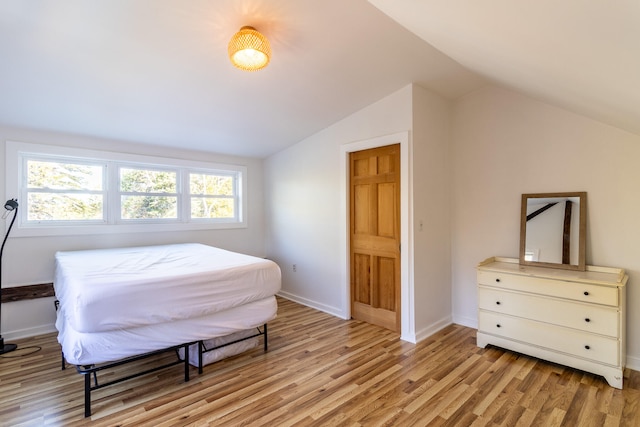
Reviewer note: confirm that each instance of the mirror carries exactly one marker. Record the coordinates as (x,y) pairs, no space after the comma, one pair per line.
(553,230)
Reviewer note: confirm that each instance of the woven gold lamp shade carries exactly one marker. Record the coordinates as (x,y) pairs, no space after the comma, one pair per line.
(249,50)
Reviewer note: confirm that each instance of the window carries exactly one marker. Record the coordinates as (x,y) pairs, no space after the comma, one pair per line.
(212,195)
(76,191)
(60,190)
(148,194)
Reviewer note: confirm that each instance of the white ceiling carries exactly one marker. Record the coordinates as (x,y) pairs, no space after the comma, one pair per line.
(156,71)
(583,55)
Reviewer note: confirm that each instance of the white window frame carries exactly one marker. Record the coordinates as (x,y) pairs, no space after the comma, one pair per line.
(16,182)
(237,181)
(117,199)
(24,190)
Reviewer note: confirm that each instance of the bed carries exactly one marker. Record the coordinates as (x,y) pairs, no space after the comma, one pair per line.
(115,305)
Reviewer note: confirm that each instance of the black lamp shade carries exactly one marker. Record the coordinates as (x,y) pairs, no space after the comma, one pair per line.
(11,204)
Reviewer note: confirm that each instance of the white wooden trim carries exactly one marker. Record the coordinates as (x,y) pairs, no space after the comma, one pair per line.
(334,311)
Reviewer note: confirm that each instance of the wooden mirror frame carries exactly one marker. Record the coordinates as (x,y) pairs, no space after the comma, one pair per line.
(581,266)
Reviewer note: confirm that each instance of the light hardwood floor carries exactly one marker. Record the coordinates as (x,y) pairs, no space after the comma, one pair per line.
(325,371)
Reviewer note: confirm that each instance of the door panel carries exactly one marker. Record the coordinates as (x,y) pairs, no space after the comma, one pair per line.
(362,280)
(361,210)
(386,290)
(375,236)
(386,197)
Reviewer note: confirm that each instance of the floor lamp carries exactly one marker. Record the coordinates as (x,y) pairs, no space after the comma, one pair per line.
(10,205)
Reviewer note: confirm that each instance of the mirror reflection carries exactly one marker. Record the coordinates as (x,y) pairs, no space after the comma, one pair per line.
(553,229)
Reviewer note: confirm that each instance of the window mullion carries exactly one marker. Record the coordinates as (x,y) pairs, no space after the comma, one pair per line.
(185,196)
(113,198)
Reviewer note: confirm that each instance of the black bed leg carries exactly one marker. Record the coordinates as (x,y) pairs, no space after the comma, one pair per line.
(265,337)
(186,363)
(64,365)
(87,395)
(200,348)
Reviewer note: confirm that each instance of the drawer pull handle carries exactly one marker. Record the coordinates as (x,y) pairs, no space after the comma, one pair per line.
(587,347)
(587,320)
(498,280)
(497,302)
(586,293)
(498,325)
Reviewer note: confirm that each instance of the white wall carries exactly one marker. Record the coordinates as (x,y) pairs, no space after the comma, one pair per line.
(303,203)
(29,260)
(431,212)
(501,142)
(306,215)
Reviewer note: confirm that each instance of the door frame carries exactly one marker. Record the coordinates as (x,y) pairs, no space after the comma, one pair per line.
(407,313)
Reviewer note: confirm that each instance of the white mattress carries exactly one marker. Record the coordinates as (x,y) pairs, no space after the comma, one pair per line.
(114,289)
(97,347)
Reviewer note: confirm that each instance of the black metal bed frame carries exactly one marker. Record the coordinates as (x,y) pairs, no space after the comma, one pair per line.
(202,348)
(92,370)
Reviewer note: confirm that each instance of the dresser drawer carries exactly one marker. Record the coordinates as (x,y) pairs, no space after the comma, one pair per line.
(570,341)
(592,318)
(606,295)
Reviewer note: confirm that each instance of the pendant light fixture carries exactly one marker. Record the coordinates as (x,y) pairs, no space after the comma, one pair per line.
(249,50)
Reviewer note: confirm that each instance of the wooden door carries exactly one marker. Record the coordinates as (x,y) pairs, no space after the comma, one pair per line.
(375,236)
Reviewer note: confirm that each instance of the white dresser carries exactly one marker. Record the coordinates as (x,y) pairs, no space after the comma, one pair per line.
(574,318)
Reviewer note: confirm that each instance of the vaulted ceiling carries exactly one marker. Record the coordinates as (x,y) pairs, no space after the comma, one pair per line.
(157,71)
(580,55)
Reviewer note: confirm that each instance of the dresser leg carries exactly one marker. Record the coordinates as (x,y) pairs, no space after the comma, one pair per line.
(614,379)
(481,340)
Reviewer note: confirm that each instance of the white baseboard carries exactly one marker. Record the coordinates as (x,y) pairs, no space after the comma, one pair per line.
(425,333)
(469,322)
(30,332)
(334,311)
(633,363)
(409,338)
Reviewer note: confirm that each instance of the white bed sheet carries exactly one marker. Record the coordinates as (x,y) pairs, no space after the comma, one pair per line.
(114,289)
(98,347)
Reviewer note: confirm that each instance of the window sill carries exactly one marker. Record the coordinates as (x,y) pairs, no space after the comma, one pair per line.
(72,230)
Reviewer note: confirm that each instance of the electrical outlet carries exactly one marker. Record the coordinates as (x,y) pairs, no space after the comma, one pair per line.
(295,268)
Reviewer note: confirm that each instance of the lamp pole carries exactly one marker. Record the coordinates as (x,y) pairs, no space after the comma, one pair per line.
(10,205)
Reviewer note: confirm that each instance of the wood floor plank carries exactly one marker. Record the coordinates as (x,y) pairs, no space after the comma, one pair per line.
(501,406)
(323,371)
